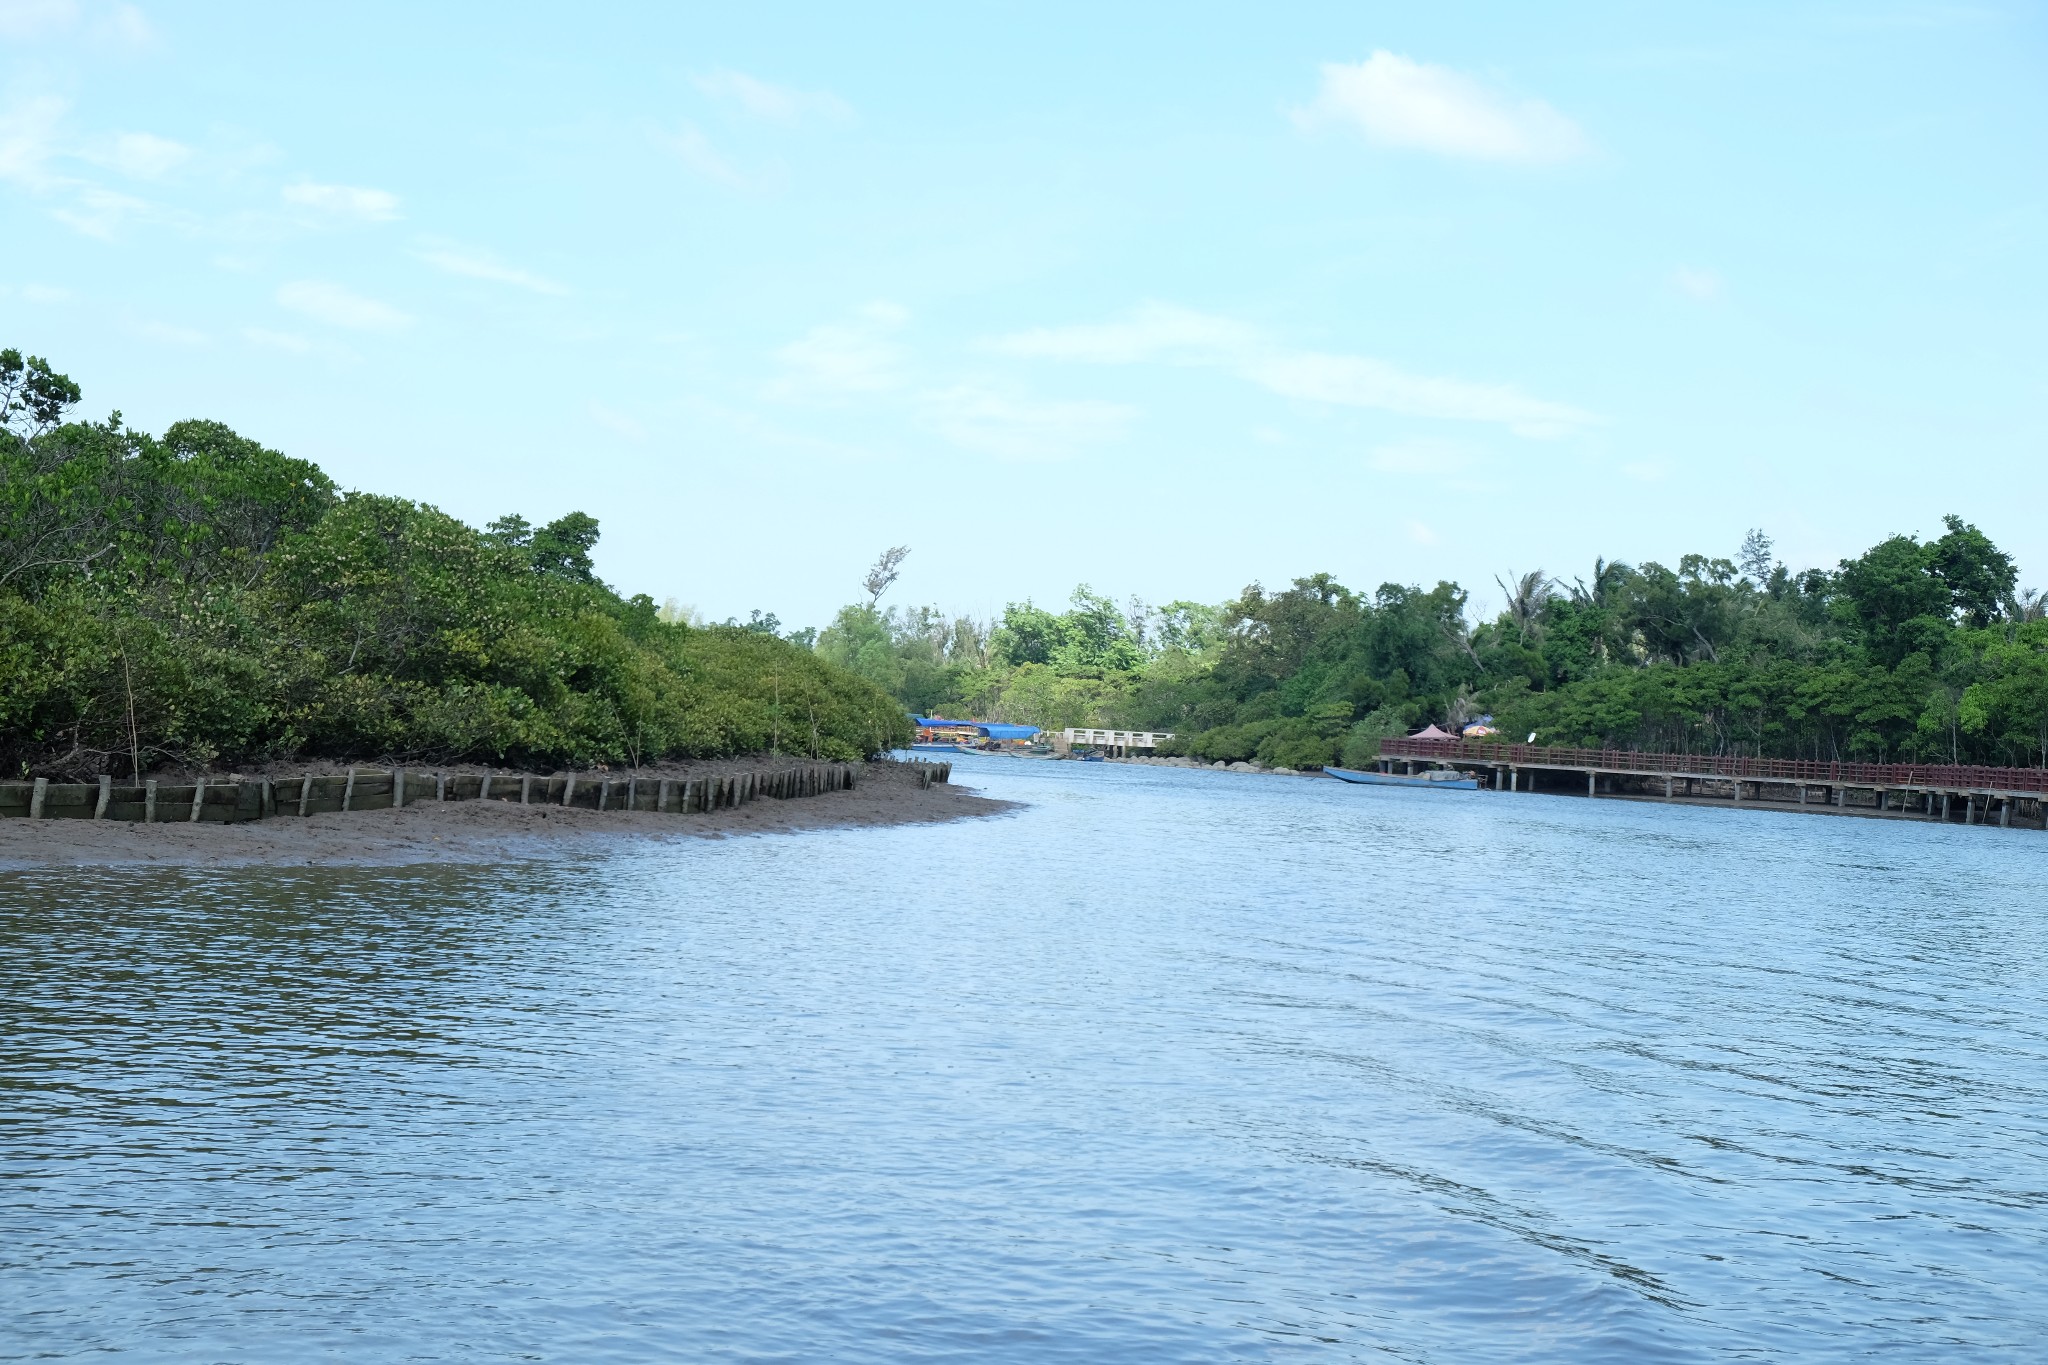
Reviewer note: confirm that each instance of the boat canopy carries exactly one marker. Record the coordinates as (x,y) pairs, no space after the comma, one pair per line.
(988,729)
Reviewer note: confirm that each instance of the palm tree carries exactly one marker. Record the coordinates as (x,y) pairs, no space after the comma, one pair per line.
(1526,601)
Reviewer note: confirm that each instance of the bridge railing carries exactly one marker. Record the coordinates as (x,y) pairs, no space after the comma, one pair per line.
(1956,777)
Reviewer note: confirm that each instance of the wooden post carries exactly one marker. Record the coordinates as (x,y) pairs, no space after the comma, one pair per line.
(149,802)
(269,798)
(1591,780)
(661,797)
(1738,789)
(526,789)
(305,792)
(99,810)
(568,788)
(604,794)
(398,789)
(483,788)
(633,792)
(2005,812)
(440,786)
(198,799)
(1667,786)
(36,794)
(348,791)
(1944,807)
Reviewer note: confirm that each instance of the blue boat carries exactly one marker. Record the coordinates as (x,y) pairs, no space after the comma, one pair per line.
(1443,779)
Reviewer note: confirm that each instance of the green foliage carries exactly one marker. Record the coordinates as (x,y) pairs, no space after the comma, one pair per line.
(198,598)
(1912,650)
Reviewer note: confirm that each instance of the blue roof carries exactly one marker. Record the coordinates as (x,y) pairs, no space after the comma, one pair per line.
(991,728)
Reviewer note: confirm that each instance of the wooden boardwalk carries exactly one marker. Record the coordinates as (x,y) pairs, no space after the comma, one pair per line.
(1958,794)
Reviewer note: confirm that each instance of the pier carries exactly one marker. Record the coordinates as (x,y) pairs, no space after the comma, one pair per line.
(1954,794)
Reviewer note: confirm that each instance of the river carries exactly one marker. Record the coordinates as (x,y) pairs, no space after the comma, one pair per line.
(1170,1065)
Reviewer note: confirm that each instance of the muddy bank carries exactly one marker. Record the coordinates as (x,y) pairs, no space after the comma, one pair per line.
(472,831)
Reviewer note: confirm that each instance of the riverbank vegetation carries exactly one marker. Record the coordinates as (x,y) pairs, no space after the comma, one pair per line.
(1912,650)
(195,598)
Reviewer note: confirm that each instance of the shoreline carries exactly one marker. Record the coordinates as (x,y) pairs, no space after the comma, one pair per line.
(471,832)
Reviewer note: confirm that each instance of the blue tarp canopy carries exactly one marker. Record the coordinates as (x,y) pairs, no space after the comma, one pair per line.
(987,728)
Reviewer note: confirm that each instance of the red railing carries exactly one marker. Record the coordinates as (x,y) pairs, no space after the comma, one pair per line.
(1949,777)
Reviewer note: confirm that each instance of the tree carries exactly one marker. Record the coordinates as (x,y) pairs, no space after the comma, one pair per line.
(33,397)
(1980,576)
(1754,559)
(888,565)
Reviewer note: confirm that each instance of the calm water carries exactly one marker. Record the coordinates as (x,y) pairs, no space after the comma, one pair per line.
(1171,1066)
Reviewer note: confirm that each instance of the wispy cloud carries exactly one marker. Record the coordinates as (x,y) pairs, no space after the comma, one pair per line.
(617,422)
(1396,102)
(1159,333)
(1703,285)
(1015,426)
(339,307)
(689,146)
(125,26)
(775,103)
(1424,458)
(100,213)
(857,356)
(480,265)
(28,135)
(144,156)
(276,341)
(349,202)
(168,334)
(24,19)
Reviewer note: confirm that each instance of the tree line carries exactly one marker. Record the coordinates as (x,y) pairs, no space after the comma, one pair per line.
(196,599)
(1915,650)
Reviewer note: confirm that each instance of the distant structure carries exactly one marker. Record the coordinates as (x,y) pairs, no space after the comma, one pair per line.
(939,733)
(1116,743)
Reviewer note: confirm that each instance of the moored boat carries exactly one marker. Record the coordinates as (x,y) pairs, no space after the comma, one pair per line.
(1446,779)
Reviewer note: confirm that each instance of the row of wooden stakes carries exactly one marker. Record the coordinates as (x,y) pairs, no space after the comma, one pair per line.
(235,800)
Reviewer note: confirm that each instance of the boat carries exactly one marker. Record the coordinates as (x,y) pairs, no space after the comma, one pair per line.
(939,748)
(1444,779)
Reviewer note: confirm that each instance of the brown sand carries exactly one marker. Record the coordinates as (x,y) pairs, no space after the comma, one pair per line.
(471,831)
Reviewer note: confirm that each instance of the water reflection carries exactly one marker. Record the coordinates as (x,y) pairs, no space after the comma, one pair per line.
(1170,1066)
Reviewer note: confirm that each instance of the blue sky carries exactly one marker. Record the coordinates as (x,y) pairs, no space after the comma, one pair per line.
(1161,298)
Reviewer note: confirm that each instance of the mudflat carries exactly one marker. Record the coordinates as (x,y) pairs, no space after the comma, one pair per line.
(471,831)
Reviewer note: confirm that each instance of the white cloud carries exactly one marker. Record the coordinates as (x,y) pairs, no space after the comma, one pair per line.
(45,293)
(694,150)
(276,341)
(776,103)
(859,356)
(483,266)
(33,18)
(617,422)
(1424,457)
(28,141)
(1362,382)
(125,26)
(1016,427)
(1152,332)
(100,213)
(344,201)
(167,334)
(145,156)
(332,304)
(1703,285)
(1421,534)
(1396,102)
(1161,333)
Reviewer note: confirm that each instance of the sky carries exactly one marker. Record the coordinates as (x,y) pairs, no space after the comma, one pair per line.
(1163,299)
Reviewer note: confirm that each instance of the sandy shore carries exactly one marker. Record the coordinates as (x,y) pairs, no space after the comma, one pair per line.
(470,831)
